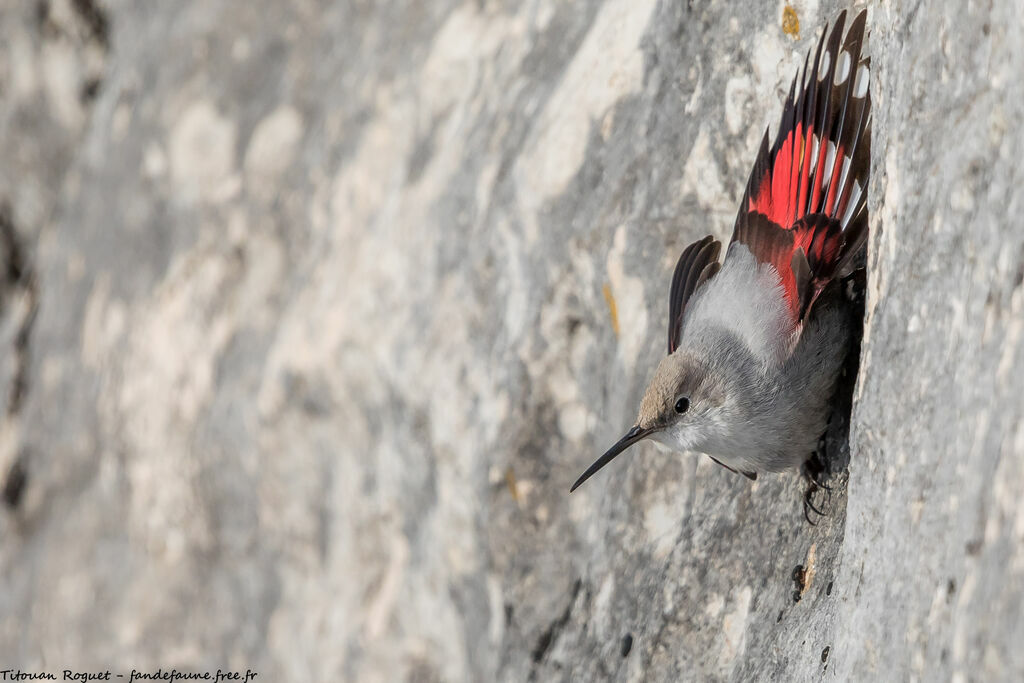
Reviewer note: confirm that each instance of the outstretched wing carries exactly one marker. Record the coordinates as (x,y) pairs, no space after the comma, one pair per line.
(696,265)
(803,211)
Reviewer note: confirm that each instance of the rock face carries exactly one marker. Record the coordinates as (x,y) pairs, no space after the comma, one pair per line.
(321,307)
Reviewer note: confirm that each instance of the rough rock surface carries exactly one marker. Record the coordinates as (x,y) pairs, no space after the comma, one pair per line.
(322,306)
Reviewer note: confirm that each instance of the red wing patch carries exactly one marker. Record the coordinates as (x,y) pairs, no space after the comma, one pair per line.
(807,192)
(804,255)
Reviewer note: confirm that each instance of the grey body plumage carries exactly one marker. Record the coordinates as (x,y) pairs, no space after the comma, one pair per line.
(755,406)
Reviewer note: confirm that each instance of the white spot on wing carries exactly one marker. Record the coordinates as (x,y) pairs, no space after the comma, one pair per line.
(829,161)
(814,153)
(826,59)
(851,204)
(860,85)
(847,162)
(842,68)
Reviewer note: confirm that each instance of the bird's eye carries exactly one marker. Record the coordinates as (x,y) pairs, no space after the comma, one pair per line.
(682,405)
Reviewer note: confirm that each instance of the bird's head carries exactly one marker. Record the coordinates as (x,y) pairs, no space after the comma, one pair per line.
(679,409)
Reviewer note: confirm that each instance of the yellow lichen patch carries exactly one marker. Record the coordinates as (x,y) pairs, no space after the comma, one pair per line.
(790,22)
(612,310)
(510,480)
(809,569)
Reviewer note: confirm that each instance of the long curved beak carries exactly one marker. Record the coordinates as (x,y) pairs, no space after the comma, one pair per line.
(632,436)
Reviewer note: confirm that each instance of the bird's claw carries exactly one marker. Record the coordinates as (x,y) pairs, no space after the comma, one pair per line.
(815,471)
(809,505)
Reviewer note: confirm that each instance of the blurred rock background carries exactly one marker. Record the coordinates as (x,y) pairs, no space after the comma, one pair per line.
(310,313)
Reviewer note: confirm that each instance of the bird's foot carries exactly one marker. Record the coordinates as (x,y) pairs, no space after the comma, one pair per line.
(815,471)
(809,505)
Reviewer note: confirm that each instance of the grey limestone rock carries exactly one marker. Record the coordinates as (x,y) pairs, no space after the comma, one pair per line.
(324,306)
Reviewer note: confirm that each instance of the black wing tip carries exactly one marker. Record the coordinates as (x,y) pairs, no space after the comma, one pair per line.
(686,279)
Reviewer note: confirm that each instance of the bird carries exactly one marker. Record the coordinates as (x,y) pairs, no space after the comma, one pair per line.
(757,341)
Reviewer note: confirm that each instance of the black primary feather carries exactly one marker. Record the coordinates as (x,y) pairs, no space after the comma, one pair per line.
(696,265)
